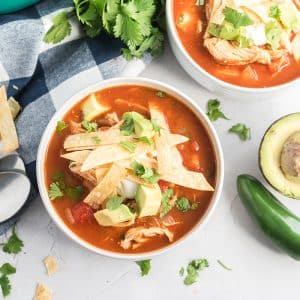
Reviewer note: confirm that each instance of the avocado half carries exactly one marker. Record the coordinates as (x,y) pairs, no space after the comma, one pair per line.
(279,155)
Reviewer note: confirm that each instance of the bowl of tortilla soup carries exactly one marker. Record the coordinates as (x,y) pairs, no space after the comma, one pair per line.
(129,168)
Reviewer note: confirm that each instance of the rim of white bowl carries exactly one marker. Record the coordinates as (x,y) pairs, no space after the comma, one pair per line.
(173,31)
(119,82)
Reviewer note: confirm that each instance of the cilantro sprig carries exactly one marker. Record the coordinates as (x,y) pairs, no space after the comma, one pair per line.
(89,126)
(6,269)
(214,110)
(165,201)
(193,269)
(148,174)
(145,266)
(243,132)
(14,244)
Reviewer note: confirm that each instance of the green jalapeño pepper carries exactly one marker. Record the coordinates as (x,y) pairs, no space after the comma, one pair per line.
(276,221)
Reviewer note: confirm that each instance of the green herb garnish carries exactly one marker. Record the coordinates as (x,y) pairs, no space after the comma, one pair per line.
(275,12)
(7,269)
(59,177)
(242,131)
(114,202)
(183,204)
(148,174)
(194,206)
(236,18)
(96,139)
(193,269)
(160,94)
(145,266)
(55,191)
(60,126)
(145,140)
(14,244)
(273,34)
(165,201)
(5,285)
(156,127)
(213,110)
(74,193)
(127,127)
(128,146)
(223,265)
(89,126)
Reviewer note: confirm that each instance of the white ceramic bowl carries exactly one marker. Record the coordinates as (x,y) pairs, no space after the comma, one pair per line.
(116,82)
(209,81)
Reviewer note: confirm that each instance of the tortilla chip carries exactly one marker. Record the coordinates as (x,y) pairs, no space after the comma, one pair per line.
(51,265)
(14,106)
(100,173)
(175,139)
(170,165)
(90,175)
(105,187)
(112,153)
(8,133)
(42,293)
(90,140)
(77,156)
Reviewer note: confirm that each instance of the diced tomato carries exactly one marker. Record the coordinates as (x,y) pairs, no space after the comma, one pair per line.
(195,146)
(193,163)
(163,185)
(82,212)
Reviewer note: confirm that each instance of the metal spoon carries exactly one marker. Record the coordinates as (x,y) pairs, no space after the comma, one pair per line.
(12,162)
(14,191)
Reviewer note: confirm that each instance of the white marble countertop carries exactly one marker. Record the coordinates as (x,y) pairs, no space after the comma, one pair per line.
(259,272)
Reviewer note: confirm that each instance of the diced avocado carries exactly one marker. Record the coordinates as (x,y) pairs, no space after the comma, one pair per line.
(142,126)
(289,16)
(228,32)
(107,217)
(91,108)
(148,200)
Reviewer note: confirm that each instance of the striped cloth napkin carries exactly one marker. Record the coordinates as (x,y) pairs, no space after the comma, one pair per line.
(42,76)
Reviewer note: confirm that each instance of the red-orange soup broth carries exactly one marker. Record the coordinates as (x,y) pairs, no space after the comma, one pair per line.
(260,75)
(198,155)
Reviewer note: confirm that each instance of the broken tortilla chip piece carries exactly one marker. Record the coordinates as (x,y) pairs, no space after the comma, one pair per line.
(8,133)
(100,173)
(105,187)
(42,293)
(51,265)
(90,175)
(77,156)
(112,153)
(14,106)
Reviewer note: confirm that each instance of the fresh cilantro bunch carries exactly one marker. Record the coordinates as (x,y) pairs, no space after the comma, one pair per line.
(136,23)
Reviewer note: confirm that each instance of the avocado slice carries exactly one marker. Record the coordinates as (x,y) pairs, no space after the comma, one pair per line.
(142,126)
(279,155)
(91,108)
(148,200)
(107,217)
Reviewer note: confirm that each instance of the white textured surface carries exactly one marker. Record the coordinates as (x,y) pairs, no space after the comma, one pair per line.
(260,272)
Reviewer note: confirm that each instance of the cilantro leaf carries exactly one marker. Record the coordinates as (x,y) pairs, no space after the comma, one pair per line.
(128,146)
(96,139)
(193,269)
(60,29)
(273,34)
(145,266)
(275,12)
(60,126)
(148,174)
(145,140)
(127,127)
(7,269)
(74,193)
(183,204)
(59,177)
(156,127)
(14,245)
(236,18)
(223,265)
(55,191)
(89,126)
(5,285)
(160,94)
(213,110)
(114,202)
(165,201)
(242,131)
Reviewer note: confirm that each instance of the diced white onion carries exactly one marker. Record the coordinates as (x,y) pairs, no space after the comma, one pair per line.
(256,34)
(127,189)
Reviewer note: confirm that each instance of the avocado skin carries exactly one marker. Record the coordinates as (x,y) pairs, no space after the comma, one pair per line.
(275,220)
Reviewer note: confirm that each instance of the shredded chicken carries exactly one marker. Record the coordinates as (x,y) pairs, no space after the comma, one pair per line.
(75,127)
(228,53)
(138,235)
(109,120)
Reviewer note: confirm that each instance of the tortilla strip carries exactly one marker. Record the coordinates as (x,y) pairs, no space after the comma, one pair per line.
(8,133)
(169,159)
(105,187)
(100,173)
(77,156)
(112,153)
(89,175)
(104,137)
(175,139)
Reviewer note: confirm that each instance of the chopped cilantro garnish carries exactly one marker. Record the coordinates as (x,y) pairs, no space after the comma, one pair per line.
(165,201)
(7,269)
(181,271)
(74,193)
(96,139)
(275,12)
(242,131)
(89,126)
(148,174)
(156,127)
(145,140)
(60,126)
(14,245)
(194,206)
(160,94)
(114,202)
(128,146)
(59,177)
(5,285)
(183,204)
(236,18)
(223,265)
(273,34)
(55,191)
(127,127)
(193,269)
(145,266)
(213,110)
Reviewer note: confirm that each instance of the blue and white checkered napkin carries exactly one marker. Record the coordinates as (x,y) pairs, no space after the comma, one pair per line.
(42,76)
